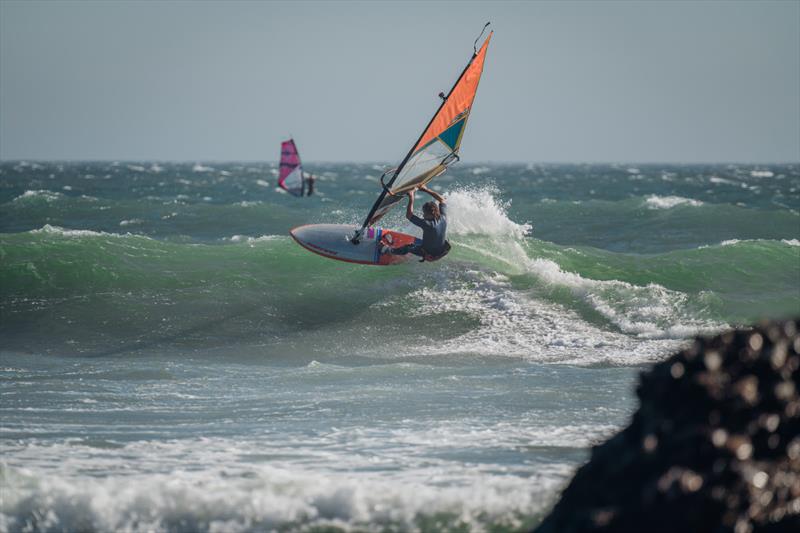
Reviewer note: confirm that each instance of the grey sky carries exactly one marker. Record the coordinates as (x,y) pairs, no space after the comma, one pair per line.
(566,81)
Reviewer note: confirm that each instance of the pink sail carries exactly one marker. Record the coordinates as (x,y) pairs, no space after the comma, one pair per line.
(290,176)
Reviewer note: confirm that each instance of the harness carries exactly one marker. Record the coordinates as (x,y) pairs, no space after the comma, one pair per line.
(431,258)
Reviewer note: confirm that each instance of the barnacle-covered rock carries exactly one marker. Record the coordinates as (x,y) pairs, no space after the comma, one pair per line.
(714,445)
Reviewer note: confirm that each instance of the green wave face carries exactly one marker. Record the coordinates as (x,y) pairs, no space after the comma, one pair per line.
(742,281)
(62,284)
(646,225)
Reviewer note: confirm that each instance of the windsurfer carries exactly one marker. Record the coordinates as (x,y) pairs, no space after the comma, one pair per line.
(433,223)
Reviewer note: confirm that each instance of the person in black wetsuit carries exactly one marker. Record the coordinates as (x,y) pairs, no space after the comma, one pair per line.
(433,223)
(310,179)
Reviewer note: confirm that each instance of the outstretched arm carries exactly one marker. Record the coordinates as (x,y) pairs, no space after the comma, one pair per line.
(410,206)
(436,196)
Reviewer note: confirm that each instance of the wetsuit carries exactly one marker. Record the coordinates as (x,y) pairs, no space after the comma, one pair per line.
(433,236)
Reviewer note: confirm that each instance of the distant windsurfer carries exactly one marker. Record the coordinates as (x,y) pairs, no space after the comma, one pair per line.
(310,179)
(433,223)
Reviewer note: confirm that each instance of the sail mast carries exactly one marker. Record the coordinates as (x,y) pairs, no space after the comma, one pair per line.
(300,166)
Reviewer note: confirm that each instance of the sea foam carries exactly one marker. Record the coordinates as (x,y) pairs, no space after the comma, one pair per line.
(668,202)
(478,211)
(237,491)
(47,229)
(46,195)
(650,320)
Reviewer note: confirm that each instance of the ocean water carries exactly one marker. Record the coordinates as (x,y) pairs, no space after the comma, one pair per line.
(171,360)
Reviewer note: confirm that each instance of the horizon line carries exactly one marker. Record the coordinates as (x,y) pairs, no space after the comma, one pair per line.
(366,162)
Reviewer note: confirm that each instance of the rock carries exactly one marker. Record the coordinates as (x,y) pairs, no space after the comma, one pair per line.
(714,445)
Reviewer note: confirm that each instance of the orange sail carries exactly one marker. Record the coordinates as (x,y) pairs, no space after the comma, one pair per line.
(438,145)
(458,103)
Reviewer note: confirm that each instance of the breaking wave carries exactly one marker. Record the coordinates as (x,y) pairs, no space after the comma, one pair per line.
(505,292)
(668,202)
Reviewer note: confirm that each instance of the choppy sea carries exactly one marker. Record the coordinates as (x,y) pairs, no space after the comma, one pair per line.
(171,360)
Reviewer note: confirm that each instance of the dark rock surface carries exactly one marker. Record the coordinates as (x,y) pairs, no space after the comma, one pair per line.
(714,445)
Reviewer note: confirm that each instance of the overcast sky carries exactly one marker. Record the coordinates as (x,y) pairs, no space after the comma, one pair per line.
(563,82)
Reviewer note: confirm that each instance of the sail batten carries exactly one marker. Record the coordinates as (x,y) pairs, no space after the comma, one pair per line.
(439,143)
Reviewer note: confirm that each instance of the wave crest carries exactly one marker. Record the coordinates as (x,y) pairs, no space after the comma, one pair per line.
(41,194)
(47,229)
(668,202)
